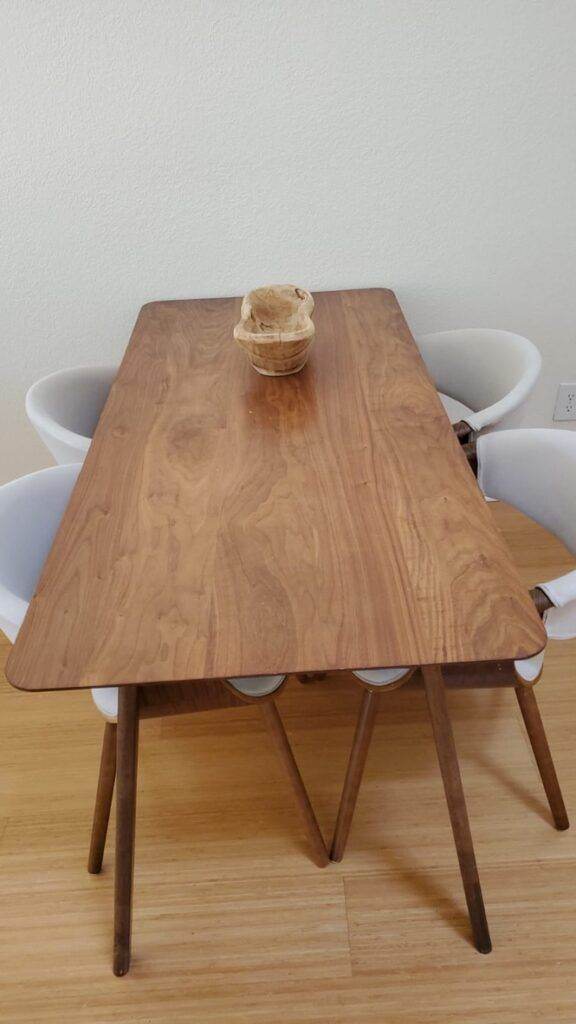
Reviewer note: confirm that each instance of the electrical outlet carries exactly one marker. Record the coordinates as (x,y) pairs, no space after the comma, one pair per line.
(565,408)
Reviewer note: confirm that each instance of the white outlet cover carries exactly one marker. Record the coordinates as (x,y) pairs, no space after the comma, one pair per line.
(565,408)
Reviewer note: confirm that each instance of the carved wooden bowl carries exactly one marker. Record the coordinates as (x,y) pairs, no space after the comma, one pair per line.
(276,329)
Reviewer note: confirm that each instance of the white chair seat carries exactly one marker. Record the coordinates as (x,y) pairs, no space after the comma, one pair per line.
(106,700)
(106,697)
(381,676)
(454,409)
(257,686)
(530,669)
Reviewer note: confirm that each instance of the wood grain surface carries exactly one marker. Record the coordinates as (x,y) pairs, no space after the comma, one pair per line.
(228,524)
(233,923)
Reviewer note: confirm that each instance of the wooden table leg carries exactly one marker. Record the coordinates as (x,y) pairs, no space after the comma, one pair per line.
(537,736)
(276,728)
(449,767)
(354,773)
(103,798)
(127,765)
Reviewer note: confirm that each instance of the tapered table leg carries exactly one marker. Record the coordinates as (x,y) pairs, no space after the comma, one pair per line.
(276,728)
(537,736)
(354,773)
(127,763)
(450,769)
(104,794)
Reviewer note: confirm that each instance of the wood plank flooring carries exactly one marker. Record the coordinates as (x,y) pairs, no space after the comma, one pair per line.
(233,923)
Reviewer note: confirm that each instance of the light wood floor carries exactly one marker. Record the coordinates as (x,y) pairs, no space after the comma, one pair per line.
(233,923)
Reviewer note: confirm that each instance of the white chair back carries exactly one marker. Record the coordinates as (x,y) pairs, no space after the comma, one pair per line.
(491,372)
(64,408)
(534,470)
(30,512)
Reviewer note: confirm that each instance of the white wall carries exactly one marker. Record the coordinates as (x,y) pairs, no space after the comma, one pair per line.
(170,148)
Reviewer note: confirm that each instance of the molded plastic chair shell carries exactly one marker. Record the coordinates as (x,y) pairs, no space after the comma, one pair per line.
(381,676)
(64,409)
(535,471)
(30,512)
(481,374)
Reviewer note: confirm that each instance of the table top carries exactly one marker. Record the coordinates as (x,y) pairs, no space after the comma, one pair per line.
(230,524)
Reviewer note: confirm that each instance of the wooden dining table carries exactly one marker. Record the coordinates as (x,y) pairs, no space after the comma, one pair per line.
(228,524)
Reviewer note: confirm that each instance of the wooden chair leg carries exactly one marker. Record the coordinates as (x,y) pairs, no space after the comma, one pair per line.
(450,769)
(103,799)
(127,764)
(537,736)
(354,772)
(276,728)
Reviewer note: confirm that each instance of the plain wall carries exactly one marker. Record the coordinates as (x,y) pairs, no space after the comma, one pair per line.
(170,148)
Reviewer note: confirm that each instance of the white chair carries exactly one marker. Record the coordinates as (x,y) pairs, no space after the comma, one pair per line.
(64,409)
(30,512)
(481,375)
(31,509)
(535,471)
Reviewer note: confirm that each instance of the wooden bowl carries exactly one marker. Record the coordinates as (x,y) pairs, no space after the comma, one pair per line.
(276,330)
